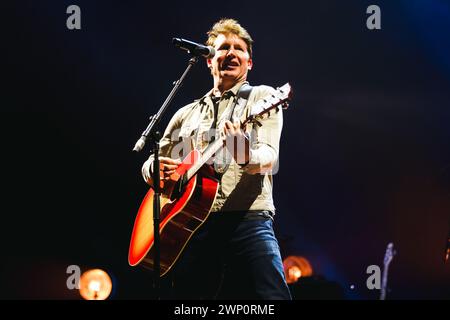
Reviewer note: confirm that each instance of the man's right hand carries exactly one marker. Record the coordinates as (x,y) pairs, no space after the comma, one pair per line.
(167,167)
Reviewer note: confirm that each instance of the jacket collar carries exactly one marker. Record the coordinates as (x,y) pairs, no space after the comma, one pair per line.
(228,93)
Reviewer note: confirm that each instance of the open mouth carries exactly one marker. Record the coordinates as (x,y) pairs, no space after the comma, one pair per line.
(229,65)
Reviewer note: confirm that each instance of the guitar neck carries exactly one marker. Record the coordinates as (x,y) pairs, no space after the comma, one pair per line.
(262,109)
(388,256)
(384,282)
(206,155)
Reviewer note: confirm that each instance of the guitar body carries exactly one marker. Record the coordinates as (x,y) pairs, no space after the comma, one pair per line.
(180,217)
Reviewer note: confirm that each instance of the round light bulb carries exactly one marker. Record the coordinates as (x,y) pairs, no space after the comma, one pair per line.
(95,284)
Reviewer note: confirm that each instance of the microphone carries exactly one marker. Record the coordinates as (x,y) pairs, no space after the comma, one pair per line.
(193,48)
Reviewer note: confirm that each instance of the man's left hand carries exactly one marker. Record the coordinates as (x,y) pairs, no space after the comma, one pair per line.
(237,142)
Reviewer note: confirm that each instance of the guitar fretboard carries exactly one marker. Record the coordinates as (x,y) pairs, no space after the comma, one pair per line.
(206,155)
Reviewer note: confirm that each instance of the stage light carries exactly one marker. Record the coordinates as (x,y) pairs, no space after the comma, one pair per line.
(296,267)
(95,284)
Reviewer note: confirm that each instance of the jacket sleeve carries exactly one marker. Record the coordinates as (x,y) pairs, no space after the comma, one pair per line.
(265,139)
(166,144)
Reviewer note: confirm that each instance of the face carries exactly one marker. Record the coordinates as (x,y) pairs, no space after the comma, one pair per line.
(232,60)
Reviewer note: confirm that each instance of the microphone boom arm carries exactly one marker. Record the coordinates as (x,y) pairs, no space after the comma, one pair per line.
(155,119)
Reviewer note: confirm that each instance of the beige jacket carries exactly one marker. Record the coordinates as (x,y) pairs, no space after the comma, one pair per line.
(241,188)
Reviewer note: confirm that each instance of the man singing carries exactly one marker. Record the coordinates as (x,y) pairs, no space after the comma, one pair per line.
(234,254)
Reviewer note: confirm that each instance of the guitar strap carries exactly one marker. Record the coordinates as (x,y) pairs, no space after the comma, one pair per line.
(243,93)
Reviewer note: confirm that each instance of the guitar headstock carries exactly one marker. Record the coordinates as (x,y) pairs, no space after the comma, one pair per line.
(389,255)
(262,108)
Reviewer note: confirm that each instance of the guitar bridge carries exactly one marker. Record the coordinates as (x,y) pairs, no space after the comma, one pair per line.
(179,187)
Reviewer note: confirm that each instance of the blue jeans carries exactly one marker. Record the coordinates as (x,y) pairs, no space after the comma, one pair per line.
(231,256)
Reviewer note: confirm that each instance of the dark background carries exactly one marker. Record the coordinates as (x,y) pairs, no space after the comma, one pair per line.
(365,157)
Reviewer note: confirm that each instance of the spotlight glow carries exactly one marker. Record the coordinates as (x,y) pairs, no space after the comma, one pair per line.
(296,267)
(95,284)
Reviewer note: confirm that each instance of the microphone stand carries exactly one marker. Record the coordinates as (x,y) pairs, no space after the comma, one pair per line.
(154,133)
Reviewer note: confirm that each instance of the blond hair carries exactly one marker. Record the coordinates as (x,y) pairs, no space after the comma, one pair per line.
(226,26)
